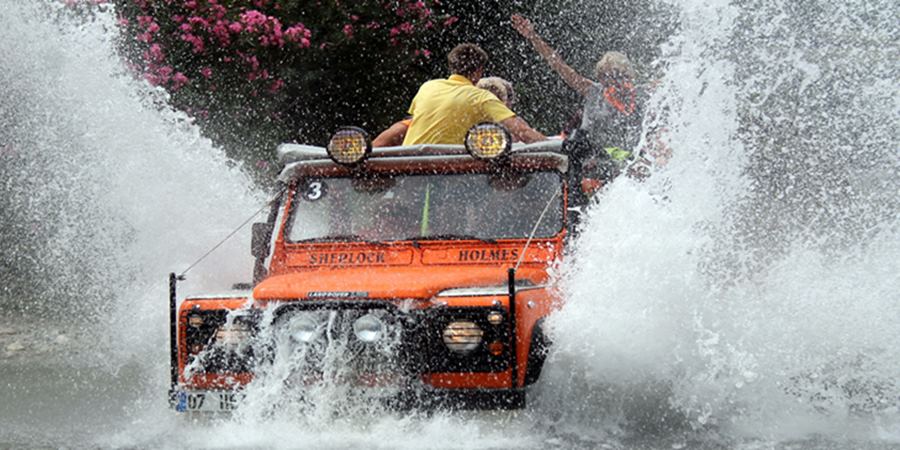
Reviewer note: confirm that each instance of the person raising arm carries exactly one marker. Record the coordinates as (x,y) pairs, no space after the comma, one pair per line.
(575,80)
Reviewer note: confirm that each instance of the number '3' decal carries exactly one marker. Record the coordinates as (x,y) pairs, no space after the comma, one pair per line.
(314,190)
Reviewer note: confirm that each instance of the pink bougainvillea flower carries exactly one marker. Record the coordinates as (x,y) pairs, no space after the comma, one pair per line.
(276,86)
(252,61)
(218,11)
(298,33)
(198,22)
(206,72)
(348,31)
(165,72)
(253,19)
(220,31)
(179,80)
(195,41)
(156,53)
(450,21)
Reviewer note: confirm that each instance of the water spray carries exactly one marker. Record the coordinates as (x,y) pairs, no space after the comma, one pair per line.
(173,296)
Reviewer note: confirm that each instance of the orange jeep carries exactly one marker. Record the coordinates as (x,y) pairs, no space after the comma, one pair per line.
(429,264)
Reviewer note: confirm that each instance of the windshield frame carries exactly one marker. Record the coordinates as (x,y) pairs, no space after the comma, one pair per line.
(423,166)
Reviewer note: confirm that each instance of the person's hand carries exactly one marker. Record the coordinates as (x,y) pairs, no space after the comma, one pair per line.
(522,25)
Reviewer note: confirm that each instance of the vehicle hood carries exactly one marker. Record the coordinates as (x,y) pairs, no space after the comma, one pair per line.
(415,282)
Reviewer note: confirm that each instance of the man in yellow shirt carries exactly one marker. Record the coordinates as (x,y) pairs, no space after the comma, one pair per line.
(444,109)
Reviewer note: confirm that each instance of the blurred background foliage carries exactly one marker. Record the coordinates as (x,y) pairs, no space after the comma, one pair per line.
(255,73)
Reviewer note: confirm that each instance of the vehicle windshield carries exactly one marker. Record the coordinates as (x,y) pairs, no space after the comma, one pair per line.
(427,206)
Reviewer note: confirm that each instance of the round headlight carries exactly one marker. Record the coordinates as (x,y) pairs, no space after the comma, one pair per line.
(233,334)
(304,330)
(349,145)
(488,140)
(462,336)
(368,328)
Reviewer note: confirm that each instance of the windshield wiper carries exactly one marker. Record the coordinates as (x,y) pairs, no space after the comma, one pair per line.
(453,237)
(339,238)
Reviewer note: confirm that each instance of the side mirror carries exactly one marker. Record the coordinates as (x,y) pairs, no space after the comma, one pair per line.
(259,243)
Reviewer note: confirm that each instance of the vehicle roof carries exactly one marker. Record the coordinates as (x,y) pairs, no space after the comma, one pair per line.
(293,155)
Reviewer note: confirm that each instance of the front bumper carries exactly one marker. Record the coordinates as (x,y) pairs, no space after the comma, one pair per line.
(227,401)
(419,353)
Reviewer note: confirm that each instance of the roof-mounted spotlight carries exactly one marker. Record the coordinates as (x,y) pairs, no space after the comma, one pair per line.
(488,140)
(349,146)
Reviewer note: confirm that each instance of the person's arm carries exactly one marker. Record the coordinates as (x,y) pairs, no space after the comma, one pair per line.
(393,136)
(568,74)
(521,131)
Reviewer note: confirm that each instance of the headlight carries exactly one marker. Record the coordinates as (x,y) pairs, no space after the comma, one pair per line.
(349,145)
(368,328)
(304,330)
(233,334)
(462,336)
(488,140)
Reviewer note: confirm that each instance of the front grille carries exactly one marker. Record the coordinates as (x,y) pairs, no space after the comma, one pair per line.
(317,341)
(414,342)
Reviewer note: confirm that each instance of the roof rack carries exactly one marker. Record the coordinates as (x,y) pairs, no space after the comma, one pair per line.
(291,153)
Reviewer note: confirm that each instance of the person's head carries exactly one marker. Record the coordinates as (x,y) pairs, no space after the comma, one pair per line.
(467,60)
(501,88)
(614,66)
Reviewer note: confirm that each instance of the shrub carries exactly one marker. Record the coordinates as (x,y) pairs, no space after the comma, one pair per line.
(255,72)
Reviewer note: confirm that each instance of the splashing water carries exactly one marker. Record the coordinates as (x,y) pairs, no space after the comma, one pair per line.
(749,289)
(744,293)
(107,190)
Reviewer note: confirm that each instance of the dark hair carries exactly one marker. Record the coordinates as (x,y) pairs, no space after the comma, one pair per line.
(466,59)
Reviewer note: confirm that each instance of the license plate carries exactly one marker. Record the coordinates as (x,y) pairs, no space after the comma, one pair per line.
(208,401)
